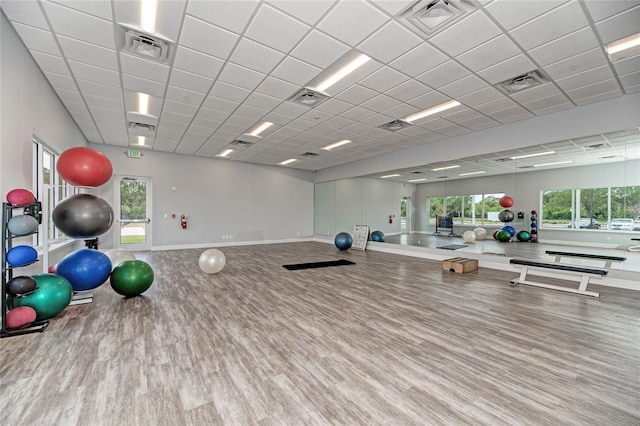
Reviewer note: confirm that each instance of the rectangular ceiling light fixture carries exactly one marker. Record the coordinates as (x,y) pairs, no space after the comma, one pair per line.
(553,164)
(148,10)
(143,103)
(615,48)
(537,154)
(261,128)
(356,63)
(444,168)
(336,144)
(417,180)
(225,153)
(390,176)
(141,140)
(289,161)
(431,111)
(472,173)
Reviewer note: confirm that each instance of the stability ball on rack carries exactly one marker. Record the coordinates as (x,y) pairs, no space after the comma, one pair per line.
(20,197)
(83,166)
(52,295)
(505,202)
(85,269)
(20,285)
(20,317)
(23,225)
(83,216)
(21,256)
(506,216)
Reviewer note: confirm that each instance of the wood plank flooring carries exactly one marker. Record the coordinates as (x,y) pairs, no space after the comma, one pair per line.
(391,340)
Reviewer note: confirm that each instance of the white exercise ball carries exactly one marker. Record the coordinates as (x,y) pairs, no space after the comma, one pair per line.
(481,233)
(117,256)
(212,261)
(469,236)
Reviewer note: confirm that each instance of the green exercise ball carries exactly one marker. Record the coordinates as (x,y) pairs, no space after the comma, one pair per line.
(523,236)
(131,278)
(52,295)
(503,236)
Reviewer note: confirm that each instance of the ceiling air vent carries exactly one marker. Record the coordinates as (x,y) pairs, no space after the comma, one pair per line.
(145,45)
(309,98)
(608,157)
(417,172)
(525,167)
(432,16)
(241,144)
(595,146)
(522,82)
(309,154)
(141,127)
(395,125)
(502,160)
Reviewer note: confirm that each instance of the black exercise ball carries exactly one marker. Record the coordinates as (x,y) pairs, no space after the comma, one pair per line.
(83,216)
(21,285)
(506,216)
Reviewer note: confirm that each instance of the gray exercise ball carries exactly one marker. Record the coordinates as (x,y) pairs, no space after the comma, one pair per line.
(83,216)
(506,216)
(23,225)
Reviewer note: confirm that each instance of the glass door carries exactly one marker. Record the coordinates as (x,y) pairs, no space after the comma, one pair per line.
(133,201)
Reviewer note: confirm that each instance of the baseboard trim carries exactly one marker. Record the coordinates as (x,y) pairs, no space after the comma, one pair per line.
(229,244)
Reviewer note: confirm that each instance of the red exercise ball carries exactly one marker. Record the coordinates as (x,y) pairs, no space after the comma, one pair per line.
(506,202)
(495,234)
(20,317)
(20,197)
(84,166)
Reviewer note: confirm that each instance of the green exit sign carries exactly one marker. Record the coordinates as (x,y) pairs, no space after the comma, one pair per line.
(134,153)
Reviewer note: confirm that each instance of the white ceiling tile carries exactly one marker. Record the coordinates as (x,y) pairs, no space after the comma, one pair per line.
(380,103)
(340,22)
(443,75)
(466,34)
(276,118)
(109,104)
(241,76)
(400,110)
(489,53)
(275,29)
(295,71)
(549,105)
(619,26)
(496,105)
(408,90)
(481,96)
(37,39)
(464,86)
(393,7)
(256,56)
(535,93)
(383,79)
(601,9)
(291,109)
(357,113)
(52,63)
(196,62)
(356,94)
(334,106)
(261,101)
(595,89)
(630,80)
(80,25)
(602,97)
(301,124)
(232,15)
(143,68)
(100,90)
(176,117)
(308,11)
(627,66)
(101,9)
(509,115)
(143,85)
(419,60)
(277,88)
(338,122)
(92,73)
(576,64)
(190,81)
(184,96)
(198,35)
(376,120)
(243,123)
(319,49)
(510,68)
(563,47)
(591,76)
(88,53)
(26,12)
(210,114)
(428,100)
(229,92)
(510,13)
(59,81)
(557,23)
(389,42)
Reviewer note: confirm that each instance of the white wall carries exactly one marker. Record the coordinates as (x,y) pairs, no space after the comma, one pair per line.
(221,197)
(28,105)
(339,205)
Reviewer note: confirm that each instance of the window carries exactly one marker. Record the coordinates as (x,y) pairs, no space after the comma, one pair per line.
(48,186)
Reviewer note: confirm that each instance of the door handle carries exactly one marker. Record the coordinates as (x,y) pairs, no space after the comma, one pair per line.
(148,220)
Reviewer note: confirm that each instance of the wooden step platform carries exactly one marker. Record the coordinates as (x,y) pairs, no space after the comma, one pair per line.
(460,265)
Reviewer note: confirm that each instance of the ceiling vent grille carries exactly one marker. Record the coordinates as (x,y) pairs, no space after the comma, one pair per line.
(141,127)
(310,154)
(417,172)
(432,16)
(309,98)
(522,82)
(595,146)
(145,45)
(240,145)
(395,125)
(525,167)
(502,160)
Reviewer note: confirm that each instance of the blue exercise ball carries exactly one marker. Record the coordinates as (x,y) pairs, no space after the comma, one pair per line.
(21,256)
(510,229)
(377,236)
(85,269)
(343,241)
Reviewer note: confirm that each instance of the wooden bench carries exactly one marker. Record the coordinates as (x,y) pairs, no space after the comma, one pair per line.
(606,259)
(580,274)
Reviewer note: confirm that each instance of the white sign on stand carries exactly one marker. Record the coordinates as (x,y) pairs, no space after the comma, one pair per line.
(360,237)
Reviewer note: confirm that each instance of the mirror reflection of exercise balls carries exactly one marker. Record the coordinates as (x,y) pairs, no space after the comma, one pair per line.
(510,229)
(53,293)
(469,236)
(22,225)
(83,216)
(503,236)
(505,202)
(212,261)
(343,241)
(523,236)
(117,256)
(377,236)
(481,233)
(506,216)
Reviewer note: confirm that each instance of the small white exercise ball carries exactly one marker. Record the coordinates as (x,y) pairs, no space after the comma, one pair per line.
(481,233)
(117,256)
(469,236)
(212,261)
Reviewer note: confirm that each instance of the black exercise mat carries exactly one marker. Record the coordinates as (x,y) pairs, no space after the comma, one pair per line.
(453,246)
(311,265)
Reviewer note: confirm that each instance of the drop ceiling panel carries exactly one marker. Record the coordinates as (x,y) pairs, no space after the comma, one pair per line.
(576,64)
(356,94)
(443,75)
(428,100)
(470,32)
(140,84)
(185,96)
(511,14)
(600,10)
(419,60)
(464,86)
(190,81)
(259,100)
(627,66)
(334,106)
(88,53)
(563,47)
(229,92)
(319,49)
(408,90)
(591,76)
(100,90)
(80,25)
(277,88)
(221,105)
(309,11)
(389,42)
(340,24)
(619,26)
(241,76)
(92,73)
(52,63)
(196,62)
(232,15)
(295,71)
(510,68)
(595,89)
(481,96)
(275,29)
(383,79)
(37,39)
(197,35)
(489,53)
(59,81)
(256,56)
